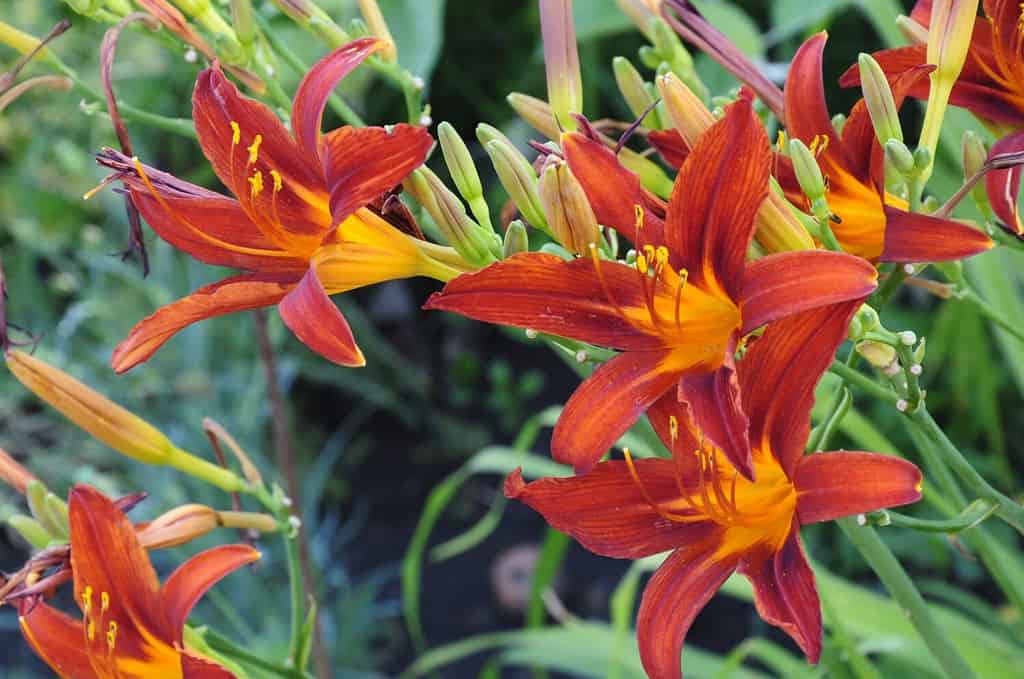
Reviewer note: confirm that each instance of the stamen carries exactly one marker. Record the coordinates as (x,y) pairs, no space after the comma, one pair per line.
(673,429)
(641,264)
(111,635)
(604,284)
(87,600)
(276,176)
(638,224)
(684,275)
(780,141)
(254,149)
(255,184)
(675,518)
(104,602)
(99,187)
(90,631)
(236,133)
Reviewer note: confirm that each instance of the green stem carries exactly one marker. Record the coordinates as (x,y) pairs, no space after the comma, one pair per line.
(226,647)
(891,573)
(1006,508)
(864,383)
(297,597)
(991,313)
(971,516)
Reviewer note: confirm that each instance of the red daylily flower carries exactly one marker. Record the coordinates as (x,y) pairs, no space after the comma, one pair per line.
(678,315)
(991,84)
(131,627)
(714,519)
(299,226)
(874,224)
(1003,185)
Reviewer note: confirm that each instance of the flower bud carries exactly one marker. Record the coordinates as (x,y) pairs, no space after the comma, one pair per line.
(561,61)
(460,164)
(210,19)
(567,209)
(518,177)
(21,41)
(31,530)
(877,354)
(536,112)
(516,239)
(634,90)
(913,32)
(462,233)
(379,28)
(178,526)
(640,12)
(309,15)
(974,156)
(244,23)
(808,173)
(13,474)
(688,113)
(900,157)
(878,100)
(49,510)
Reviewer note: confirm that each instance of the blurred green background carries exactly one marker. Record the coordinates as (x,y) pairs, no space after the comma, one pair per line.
(372,443)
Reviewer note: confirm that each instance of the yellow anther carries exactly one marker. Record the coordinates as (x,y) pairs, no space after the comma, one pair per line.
(276,176)
(683,276)
(90,630)
(104,602)
(111,634)
(661,255)
(673,428)
(255,184)
(649,252)
(780,141)
(641,264)
(638,216)
(819,144)
(87,599)
(254,148)
(236,133)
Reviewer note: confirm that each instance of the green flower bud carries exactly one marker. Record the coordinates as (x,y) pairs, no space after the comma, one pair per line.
(634,90)
(877,354)
(900,157)
(463,171)
(520,181)
(516,239)
(31,530)
(462,233)
(808,173)
(878,100)
(536,112)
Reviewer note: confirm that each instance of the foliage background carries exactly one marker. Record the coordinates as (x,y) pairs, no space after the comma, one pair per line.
(372,443)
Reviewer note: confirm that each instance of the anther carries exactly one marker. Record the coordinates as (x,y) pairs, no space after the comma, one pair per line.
(276,176)
(111,635)
(641,264)
(673,429)
(236,133)
(104,602)
(254,148)
(255,184)
(90,630)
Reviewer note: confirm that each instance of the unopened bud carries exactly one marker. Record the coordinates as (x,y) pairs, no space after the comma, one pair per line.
(379,28)
(900,157)
(568,211)
(877,354)
(461,167)
(518,177)
(516,239)
(922,158)
(839,122)
(561,61)
(878,100)
(919,352)
(49,510)
(915,33)
(244,23)
(688,113)
(179,526)
(634,90)
(868,318)
(23,42)
(974,153)
(640,12)
(536,112)
(778,227)
(13,474)
(908,338)
(31,530)
(808,173)
(649,57)
(309,15)
(461,232)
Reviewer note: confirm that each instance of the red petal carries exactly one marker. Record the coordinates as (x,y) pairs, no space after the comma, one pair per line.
(606,512)
(786,595)
(612,190)
(318,84)
(787,283)
(687,434)
(238,293)
(106,556)
(779,372)
(190,581)
(717,412)
(893,62)
(913,237)
(549,294)
(1003,186)
(673,598)
(607,404)
(833,485)
(717,193)
(193,667)
(670,144)
(312,316)
(57,640)
(362,163)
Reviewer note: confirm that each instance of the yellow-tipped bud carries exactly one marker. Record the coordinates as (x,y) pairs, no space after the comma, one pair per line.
(778,228)
(179,526)
(13,474)
(689,115)
(536,112)
(900,157)
(567,209)
(379,28)
(878,100)
(808,172)
(21,41)
(634,90)
(877,354)
(561,60)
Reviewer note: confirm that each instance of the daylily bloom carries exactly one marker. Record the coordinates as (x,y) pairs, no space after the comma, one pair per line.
(131,626)
(1003,185)
(679,313)
(300,227)
(991,84)
(716,521)
(872,223)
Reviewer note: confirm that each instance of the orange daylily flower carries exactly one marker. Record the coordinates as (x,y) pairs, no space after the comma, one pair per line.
(131,626)
(715,520)
(299,225)
(677,315)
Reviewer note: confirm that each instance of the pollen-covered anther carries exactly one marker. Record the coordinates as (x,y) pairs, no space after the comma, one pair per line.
(255,183)
(236,133)
(254,149)
(104,602)
(276,177)
(111,635)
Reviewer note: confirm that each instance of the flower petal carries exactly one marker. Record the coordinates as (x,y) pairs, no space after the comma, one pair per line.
(549,294)
(787,283)
(607,404)
(717,413)
(670,145)
(57,640)
(717,193)
(193,667)
(612,190)
(786,595)
(1003,186)
(318,84)
(316,321)
(779,373)
(237,293)
(914,237)
(606,511)
(361,163)
(191,580)
(680,588)
(833,485)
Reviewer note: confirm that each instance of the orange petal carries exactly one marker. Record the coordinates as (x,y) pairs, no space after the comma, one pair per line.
(914,237)
(717,413)
(191,580)
(674,596)
(717,193)
(607,404)
(786,595)
(833,485)
(57,640)
(361,163)
(780,371)
(549,294)
(312,316)
(788,283)
(318,84)
(1003,186)
(670,145)
(606,512)
(238,293)
(193,667)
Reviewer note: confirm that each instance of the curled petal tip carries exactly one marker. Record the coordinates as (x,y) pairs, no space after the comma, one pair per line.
(514,484)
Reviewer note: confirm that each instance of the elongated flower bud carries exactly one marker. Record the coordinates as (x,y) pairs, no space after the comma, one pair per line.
(974,156)
(878,100)
(225,39)
(900,157)
(640,12)
(808,172)
(49,510)
(309,15)
(13,474)
(689,115)
(518,177)
(467,237)
(561,60)
(244,23)
(516,239)
(379,28)
(876,353)
(536,112)
(634,90)
(463,171)
(565,204)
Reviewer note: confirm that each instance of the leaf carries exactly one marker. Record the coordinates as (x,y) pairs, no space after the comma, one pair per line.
(418,29)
